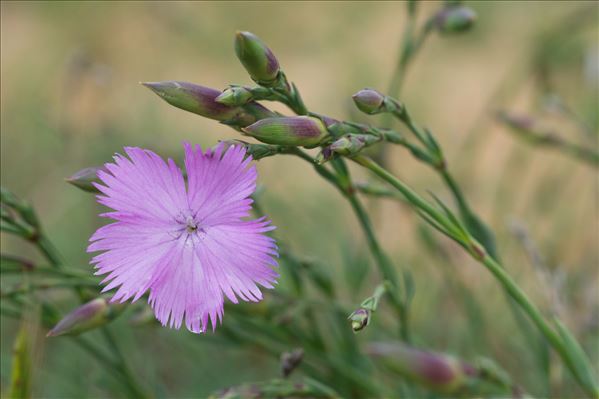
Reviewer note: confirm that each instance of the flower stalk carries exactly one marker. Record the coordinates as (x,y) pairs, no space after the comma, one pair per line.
(575,360)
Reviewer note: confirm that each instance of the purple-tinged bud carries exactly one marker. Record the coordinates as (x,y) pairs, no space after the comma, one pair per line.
(352,144)
(519,122)
(290,360)
(369,101)
(257,58)
(302,131)
(234,95)
(202,101)
(438,371)
(193,98)
(454,19)
(325,155)
(85,179)
(359,319)
(86,317)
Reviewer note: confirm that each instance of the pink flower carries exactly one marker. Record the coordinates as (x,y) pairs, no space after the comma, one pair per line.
(188,244)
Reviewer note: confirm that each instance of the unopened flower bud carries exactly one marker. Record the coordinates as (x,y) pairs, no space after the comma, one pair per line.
(257,58)
(438,371)
(302,131)
(325,155)
(256,151)
(234,95)
(454,19)
(351,144)
(85,179)
(359,319)
(193,98)
(369,101)
(290,360)
(202,101)
(86,317)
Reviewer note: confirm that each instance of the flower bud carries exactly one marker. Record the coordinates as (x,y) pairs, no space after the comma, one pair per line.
(193,98)
(438,371)
(201,100)
(359,319)
(257,59)
(290,360)
(234,95)
(302,131)
(325,155)
(85,179)
(256,151)
(369,101)
(454,19)
(351,144)
(86,317)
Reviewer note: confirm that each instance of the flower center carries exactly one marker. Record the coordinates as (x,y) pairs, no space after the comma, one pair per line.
(191,224)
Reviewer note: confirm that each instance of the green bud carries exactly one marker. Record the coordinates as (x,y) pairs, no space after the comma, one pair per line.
(352,144)
(454,19)
(302,131)
(202,101)
(359,319)
(234,95)
(85,179)
(256,151)
(257,58)
(86,317)
(373,102)
(369,101)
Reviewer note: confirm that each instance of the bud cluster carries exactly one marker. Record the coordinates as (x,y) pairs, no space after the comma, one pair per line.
(348,145)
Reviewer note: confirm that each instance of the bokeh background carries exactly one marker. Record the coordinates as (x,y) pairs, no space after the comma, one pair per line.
(70,98)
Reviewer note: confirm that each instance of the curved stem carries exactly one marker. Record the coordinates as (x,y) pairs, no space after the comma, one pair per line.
(500,275)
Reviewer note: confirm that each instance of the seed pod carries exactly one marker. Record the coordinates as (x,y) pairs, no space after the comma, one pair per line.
(86,317)
(85,179)
(234,95)
(257,58)
(302,131)
(454,19)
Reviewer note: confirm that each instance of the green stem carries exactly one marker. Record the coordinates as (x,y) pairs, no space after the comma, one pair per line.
(456,192)
(409,50)
(495,268)
(122,365)
(49,251)
(381,259)
(113,367)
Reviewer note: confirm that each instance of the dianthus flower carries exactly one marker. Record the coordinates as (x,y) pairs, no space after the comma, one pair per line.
(188,244)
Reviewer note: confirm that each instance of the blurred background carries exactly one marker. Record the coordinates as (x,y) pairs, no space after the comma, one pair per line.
(71,98)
